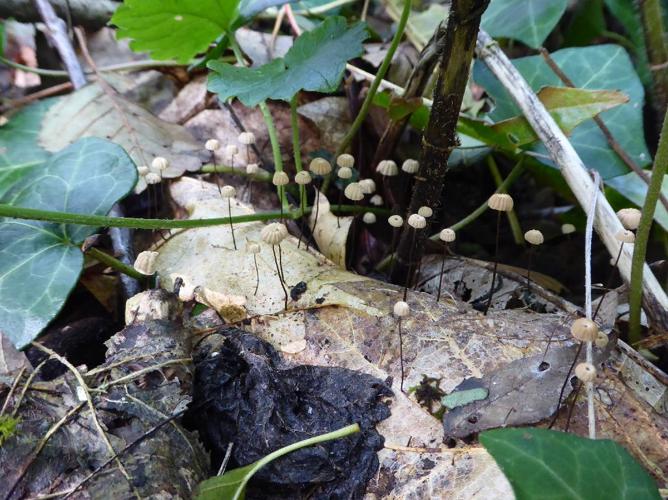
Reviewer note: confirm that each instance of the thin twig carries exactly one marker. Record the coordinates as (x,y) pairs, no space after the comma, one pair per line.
(11,390)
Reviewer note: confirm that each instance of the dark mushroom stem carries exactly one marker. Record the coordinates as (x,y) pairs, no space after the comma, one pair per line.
(531,251)
(279,269)
(257,274)
(393,247)
(440,276)
(317,210)
(401,357)
(496,262)
(410,263)
(229,211)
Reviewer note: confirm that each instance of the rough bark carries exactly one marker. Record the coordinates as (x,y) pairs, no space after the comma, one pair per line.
(440,137)
(92,14)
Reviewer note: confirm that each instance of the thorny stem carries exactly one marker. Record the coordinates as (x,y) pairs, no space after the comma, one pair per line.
(642,234)
(257,274)
(280,275)
(229,211)
(440,276)
(382,71)
(496,262)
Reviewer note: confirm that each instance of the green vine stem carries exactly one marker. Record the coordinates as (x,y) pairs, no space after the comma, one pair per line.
(651,14)
(382,71)
(296,147)
(138,223)
(642,234)
(116,264)
(514,222)
(261,176)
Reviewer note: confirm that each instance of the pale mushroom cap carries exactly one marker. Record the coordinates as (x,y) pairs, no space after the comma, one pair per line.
(160,163)
(425,212)
(302,178)
(601,340)
(447,235)
(395,220)
(387,168)
(368,186)
(231,149)
(354,191)
(212,145)
(376,200)
(369,218)
(417,221)
(228,192)
(246,138)
(142,170)
(410,166)
(152,178)
(252,168)
(345,160)
(401,309)
(280,179)
(274,233)
(534,237)
(320,166)
(585,372)
(626,236)
(501,202)
(584,330)
(3,120)
(567,228)
(253,248)
(344,173)
(145,262)
(630,218)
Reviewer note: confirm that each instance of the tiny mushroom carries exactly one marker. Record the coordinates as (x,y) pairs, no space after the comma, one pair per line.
(246,138)
(376,200)
(345,160)
(500,202)
(401,309)
(630,218)
(228,192)
(584,330)
(567,228)
(368,186)
(354,192)
(387,168)
(534,237)
(369,218)
(624,235)
(425,212)
(446,235)
(585,372)
(152,178)
(145,262)
(320,166)
(273,234)
(344,173)
(302,178)
(410,166)
(159,164)
(395,221)
(212,145)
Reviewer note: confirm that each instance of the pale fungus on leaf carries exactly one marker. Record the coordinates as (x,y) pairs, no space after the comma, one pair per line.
(145,262)
(228,191)
(401,309)
(585,372)
(159,163)
(212,145)
(584,330)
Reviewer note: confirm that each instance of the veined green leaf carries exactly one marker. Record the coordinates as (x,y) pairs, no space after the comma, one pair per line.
(40,262)
(174,29)
(540,463)
(315,62)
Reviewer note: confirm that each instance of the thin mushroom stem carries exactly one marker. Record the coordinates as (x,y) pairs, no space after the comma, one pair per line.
(410,263)
(317,210)
(440,276)
(401,357)
(393,248)
(257,274)
(280,274)
(608,283)
(531,250)
(563,386)
(280,262)
(496,263)
(229,211)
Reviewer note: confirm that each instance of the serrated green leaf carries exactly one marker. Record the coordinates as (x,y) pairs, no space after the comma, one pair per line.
(597,67)
(315,63)
(540,463)
(174,29)
(40,262)
(529,21)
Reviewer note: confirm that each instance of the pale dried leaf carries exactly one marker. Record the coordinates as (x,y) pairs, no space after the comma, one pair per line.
(331,232)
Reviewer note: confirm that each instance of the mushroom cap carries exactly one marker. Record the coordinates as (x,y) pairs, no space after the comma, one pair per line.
(586,372)
(567,228)
(252,168)
(344,173)
(142,170)
(320,166)
(584,330)
(368,186)
(395,220)
(345,160)
(410,166)
(626,236)
(231,149)
(630,218)
(501,202)
(253,248)
(376,200)
(152,178)
(246,138)
(601,340)
(303,177)
(3,120)
(274,233)
(425,212)
(447,235)
(145,262)
(280,179)
(401,309)
(159,163)
(212,145)
(417,221)
(354,191)
(369,218)
(228,191)
(387,168)
(534,237)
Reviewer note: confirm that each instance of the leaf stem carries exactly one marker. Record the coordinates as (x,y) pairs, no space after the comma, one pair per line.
(261,176)
(382,71)
(138,223)
(116,264)
(514,222)
(642,234)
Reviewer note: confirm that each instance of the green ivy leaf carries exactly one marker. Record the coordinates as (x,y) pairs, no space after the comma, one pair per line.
(597,67)
(529,21)
(174,29)
(315,62)
(40,262)
(539,462)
